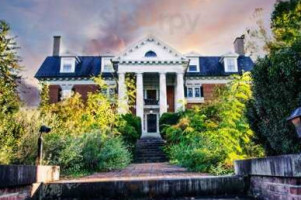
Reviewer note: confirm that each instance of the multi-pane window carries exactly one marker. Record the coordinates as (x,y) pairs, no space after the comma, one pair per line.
(108,92)
(67,65)
(190,92)
(107,65)
(111,92)
(197,92)
(194,92)
(231,65)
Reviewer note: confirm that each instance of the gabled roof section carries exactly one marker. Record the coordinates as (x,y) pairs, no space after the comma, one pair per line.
(86,67)
(137,50)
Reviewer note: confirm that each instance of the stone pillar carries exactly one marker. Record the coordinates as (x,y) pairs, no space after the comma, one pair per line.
(180,98)
(66,91)
(139,97)
(163,94)
(122,96)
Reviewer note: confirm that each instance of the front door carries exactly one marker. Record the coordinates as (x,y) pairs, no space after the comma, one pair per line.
(152,123)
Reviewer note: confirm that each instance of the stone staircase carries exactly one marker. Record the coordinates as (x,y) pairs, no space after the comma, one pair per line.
(149,150)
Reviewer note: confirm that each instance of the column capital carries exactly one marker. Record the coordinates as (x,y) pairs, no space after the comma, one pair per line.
(162,72)
(121,73)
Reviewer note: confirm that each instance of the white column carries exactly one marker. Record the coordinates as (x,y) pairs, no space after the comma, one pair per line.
(180,98)
(163,94)
(122,96)
(139,97)
(66,90)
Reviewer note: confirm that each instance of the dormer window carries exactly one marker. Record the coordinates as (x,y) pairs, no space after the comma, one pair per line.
(230,65)
(194,64)
(67,65)
(150,54)
(106,65)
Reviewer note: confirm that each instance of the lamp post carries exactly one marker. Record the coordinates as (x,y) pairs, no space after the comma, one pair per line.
(43,129)
(295,118)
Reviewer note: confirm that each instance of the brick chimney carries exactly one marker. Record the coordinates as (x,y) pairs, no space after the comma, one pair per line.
(56,45)
(239,45)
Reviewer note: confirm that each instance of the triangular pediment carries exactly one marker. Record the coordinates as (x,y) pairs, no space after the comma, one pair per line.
(150,48)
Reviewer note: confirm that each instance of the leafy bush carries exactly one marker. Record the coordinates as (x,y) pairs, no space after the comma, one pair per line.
(114,155)
(166,120)
(130,128)
(209,138)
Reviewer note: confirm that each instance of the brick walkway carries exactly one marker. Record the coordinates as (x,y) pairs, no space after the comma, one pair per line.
(145,171)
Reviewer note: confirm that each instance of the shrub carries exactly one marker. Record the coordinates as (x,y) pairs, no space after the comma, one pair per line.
(166,120)
(114,155)
(130,128)
(211,137)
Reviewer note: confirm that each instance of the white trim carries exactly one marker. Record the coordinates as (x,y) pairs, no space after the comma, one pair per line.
(207,81)
(149,38)
(195,100)
(83,82)
(177,68)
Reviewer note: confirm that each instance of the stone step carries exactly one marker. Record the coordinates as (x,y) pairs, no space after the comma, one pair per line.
(150,150)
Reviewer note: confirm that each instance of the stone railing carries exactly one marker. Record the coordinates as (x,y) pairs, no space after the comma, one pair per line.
(21,181)
(277,177)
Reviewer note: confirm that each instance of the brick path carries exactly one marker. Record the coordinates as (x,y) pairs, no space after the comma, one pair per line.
(145,171)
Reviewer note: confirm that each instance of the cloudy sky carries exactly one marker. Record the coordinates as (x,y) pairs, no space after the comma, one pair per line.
(92,27)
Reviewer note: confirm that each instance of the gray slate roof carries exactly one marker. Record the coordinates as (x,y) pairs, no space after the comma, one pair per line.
(89,66)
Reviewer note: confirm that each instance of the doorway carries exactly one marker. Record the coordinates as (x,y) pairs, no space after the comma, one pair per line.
(151,123)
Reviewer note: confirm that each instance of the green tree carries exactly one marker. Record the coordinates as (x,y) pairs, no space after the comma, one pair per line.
(9,100)
(286,22)
(276,83)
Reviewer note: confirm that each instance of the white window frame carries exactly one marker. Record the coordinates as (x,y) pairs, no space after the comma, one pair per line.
(194,99)
(67,60)
(107,92)
(104,61)
(226,64)
(193,92)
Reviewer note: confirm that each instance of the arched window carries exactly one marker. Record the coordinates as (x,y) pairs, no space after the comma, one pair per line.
(150,54)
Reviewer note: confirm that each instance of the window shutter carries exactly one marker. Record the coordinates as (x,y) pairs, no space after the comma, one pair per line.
(185,91)
(202,93)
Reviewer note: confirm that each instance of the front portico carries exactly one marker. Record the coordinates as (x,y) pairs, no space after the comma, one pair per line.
(164,68)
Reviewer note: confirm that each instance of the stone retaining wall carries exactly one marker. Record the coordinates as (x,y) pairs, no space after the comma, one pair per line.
(161,188)
(17,181)
(273,178)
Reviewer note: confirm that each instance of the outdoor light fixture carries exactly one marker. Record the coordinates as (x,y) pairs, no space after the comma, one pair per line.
(43,129)
(295,118)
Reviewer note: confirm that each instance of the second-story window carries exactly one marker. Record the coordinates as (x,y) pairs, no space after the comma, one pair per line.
(231,65)
(67,65)
(107,65)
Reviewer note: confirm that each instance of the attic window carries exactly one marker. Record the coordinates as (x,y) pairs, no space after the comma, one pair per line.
(150,54)
(107,65)
(231,65)
(67,65)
